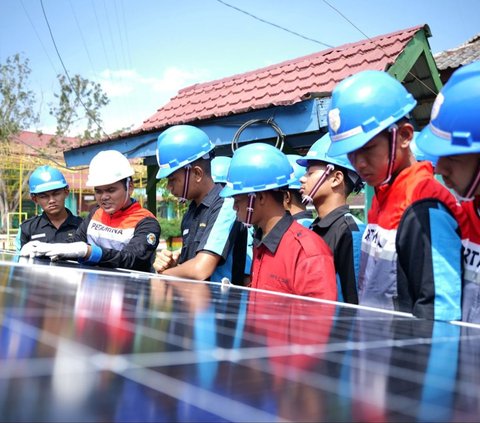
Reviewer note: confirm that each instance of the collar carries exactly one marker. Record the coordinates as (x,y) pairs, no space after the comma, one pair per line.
(210,198)
(331,217)
(133,205)
(415,170)
(45,221)
(304,214)
(273,238)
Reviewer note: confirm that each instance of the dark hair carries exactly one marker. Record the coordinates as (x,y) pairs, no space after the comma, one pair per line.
(205,164)
(128,178)
(296,196)
(278,195)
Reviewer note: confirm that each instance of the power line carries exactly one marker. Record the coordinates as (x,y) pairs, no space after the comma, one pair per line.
(379,46)
(82,37)
(107,19)
(38,36)
(275,25)
(120,36)
(101,34)
(42,154)
(126,33)
(66,72)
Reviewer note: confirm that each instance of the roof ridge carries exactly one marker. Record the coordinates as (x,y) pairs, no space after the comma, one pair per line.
(474,39)
(299,59)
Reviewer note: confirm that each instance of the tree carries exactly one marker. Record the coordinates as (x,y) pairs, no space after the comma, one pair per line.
(16,112)
(79,104)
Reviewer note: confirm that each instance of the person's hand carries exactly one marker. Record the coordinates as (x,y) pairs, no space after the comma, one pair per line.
(73,250)
(165,260)
(34,249)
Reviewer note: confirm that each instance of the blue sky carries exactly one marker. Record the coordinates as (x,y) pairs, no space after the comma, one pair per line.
(144,51)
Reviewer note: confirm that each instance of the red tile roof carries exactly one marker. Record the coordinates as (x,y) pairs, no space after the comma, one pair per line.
(282,84)
(39,149)
(33,143)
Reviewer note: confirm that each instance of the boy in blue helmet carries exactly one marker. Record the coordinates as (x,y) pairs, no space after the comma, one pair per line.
(219,169)
(453,134)
(118,232)
(209,227)
(327,184)
(412,248)
(243,245)
(49,190)
(293,199)
(287,257)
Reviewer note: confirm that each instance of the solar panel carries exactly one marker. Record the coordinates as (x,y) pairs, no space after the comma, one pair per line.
(89,344)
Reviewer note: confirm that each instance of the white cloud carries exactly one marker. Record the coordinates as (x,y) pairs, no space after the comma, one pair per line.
(135,97)
(126,82)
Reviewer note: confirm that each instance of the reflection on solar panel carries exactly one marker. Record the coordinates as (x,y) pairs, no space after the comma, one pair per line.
(82,344)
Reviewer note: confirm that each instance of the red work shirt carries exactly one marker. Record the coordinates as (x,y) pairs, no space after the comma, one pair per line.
(293,260)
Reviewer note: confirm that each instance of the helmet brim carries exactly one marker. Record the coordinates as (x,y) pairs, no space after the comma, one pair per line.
(436,146)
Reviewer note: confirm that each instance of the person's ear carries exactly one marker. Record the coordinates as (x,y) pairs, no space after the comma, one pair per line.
(260,197)
(198,173)
(336,178)
(287,197)
(405,135)
(34,198)
(131,187)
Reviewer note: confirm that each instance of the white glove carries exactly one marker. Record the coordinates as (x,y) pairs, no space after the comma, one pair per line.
(34,249)
(68,250)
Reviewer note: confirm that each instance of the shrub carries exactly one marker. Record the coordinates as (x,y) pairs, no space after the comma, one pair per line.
(170,227)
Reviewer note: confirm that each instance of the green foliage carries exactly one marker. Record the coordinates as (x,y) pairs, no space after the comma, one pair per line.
(16,113)
(170,227)
(358,213)
(16,100)
(80,100)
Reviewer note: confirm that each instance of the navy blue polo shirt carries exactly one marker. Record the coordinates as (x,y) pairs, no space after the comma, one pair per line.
(39,228)
(212,227)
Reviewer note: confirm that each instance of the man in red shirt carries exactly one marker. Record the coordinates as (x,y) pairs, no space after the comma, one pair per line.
(287,257)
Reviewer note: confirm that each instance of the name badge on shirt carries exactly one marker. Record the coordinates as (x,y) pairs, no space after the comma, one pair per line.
(38,236)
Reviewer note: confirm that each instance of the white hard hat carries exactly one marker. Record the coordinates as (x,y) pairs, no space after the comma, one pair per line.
(108,167)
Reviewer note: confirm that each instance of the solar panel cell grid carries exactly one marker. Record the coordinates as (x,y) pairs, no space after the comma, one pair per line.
(85,344)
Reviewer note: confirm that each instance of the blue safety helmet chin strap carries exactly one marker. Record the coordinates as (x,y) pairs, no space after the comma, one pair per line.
(178,147)
(392,149)
(254,168)
(319,152)
(363,105)
(308,198)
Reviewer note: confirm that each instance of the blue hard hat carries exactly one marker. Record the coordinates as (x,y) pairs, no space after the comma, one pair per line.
(319,151)
(298,170)
(46,178)
(220,165)
(454,126)
(257,167)
(362,106)
(179,146)
(418,153)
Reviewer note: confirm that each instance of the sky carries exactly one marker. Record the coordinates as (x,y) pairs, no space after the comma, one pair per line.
(143,51)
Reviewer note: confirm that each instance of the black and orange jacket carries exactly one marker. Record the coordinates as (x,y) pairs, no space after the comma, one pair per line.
(127,239)
(412,247)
